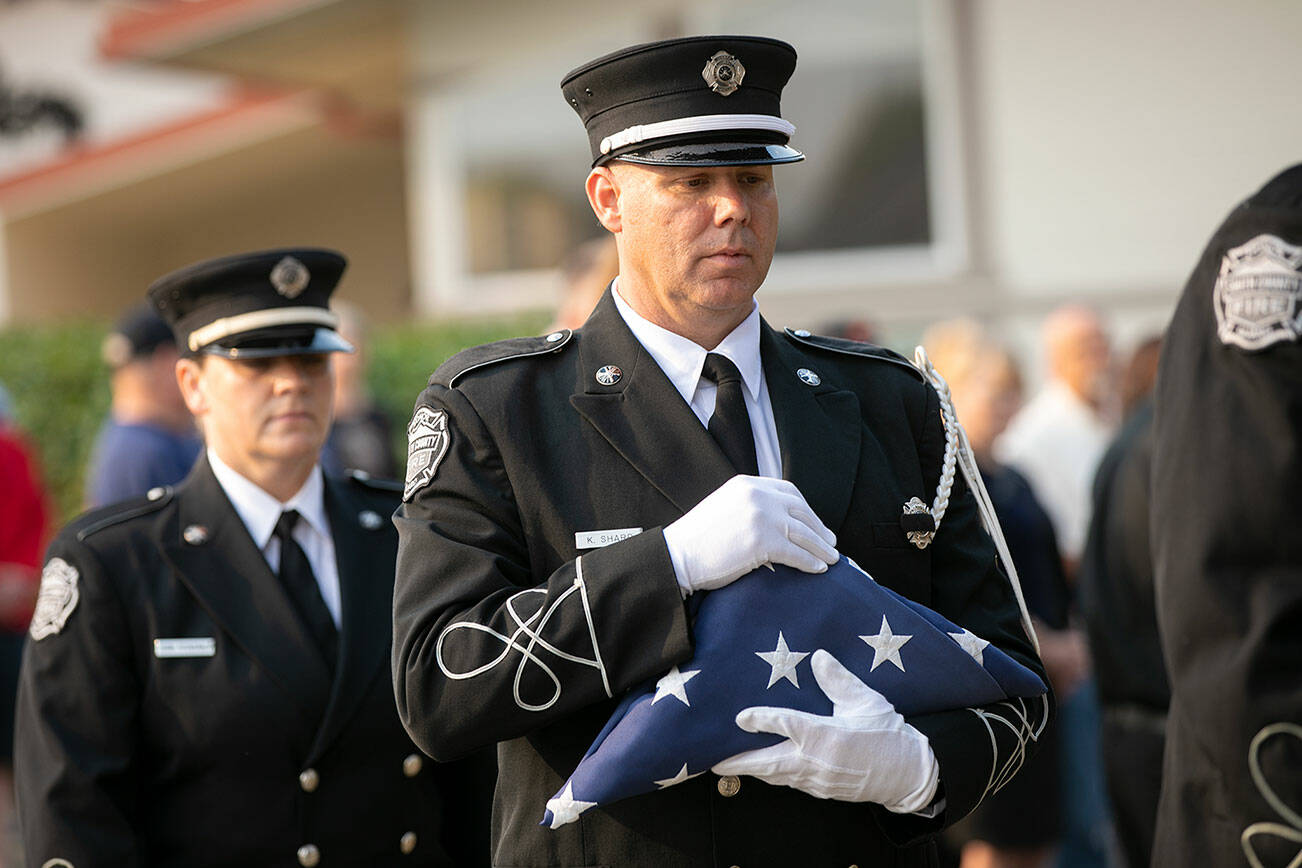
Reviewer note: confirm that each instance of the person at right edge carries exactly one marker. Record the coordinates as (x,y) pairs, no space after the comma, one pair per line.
(1225,520)
(568,496)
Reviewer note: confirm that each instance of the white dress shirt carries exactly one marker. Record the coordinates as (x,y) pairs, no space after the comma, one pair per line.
(260,511)
(682,360)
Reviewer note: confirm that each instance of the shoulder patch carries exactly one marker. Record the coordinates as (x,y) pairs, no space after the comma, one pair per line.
(851,348)
(1256,294)
(56,599)
(428,438)
(475,358)
(106,517)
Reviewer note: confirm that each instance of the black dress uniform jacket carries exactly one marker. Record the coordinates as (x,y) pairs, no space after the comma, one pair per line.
(125,758)
(506,631)
(1227,541)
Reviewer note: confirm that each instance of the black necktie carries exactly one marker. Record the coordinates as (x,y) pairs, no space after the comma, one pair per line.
(297,577)
(730,424)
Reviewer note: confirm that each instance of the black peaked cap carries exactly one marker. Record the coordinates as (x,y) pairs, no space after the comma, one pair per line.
(264,303)
(686,78)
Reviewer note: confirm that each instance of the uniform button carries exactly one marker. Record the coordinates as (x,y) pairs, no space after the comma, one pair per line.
(729,786)
(309,855)
(412,765)
(554,337)
(309,779)
(408,843)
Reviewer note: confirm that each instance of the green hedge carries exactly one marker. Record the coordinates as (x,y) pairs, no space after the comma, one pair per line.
(60,391)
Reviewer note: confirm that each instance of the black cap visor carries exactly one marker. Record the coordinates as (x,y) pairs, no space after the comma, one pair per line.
(714,154)
(268,343)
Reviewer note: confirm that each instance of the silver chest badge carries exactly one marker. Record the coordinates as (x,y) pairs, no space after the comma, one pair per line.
(56,599)
(808,377)
(1256,294)
(290,277)
(723,73)
(427,442)
(609,375)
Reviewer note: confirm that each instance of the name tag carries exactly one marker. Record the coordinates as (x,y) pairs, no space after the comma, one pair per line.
(200,646)
(595,539)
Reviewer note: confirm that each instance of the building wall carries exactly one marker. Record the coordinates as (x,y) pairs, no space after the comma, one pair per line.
(1116,135)
(94,256)
(1110,139)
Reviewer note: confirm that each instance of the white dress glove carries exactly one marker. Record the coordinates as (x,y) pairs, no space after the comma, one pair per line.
(863,752)
(745,523)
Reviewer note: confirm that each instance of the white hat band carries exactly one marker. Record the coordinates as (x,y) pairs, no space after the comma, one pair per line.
(699,124)
(260,319)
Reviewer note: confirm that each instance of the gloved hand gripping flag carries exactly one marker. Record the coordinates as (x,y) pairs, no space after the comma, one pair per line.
(754,639)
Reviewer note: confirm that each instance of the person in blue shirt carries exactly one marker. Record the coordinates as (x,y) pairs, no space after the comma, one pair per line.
(149,439)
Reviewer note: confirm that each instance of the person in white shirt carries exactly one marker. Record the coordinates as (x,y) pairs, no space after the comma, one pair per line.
(1057,439)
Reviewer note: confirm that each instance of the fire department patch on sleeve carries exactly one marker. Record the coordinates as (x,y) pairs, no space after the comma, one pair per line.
(428,438)
(1256,294)
(56,599)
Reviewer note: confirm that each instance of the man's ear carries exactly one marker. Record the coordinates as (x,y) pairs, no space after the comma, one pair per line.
(189,378)
(603,195)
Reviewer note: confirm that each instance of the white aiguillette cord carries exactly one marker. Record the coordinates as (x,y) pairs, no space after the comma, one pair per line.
(958,447)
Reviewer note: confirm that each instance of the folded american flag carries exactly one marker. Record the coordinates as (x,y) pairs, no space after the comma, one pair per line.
(753,643)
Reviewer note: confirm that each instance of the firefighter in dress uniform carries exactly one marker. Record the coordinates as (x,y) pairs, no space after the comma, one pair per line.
(566,494)
(206,679)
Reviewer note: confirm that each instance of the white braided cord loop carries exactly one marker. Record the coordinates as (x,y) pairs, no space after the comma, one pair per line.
(959,451)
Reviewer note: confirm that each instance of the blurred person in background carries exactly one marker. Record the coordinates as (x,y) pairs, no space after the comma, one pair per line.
(860,330)
(1020,826)
(23,524)
(1115,590)
(361,437)
(1057,438)
(149,439)
(1227,552)
(206,679)
(1056,442)
(585,274)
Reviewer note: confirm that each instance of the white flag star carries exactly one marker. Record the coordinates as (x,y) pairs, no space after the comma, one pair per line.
(677,779)
(565,808)
(783,661)
(886,646)
(972,644)
(674,684)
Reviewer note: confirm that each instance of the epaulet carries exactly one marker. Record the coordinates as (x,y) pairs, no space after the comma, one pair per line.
(852,348)
(97,520)
(375,483)
(499,351)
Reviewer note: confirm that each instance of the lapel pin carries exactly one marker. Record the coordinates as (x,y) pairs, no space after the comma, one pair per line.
(918,523)
(808,377)
(609,375)
(369,519)
(195,534)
